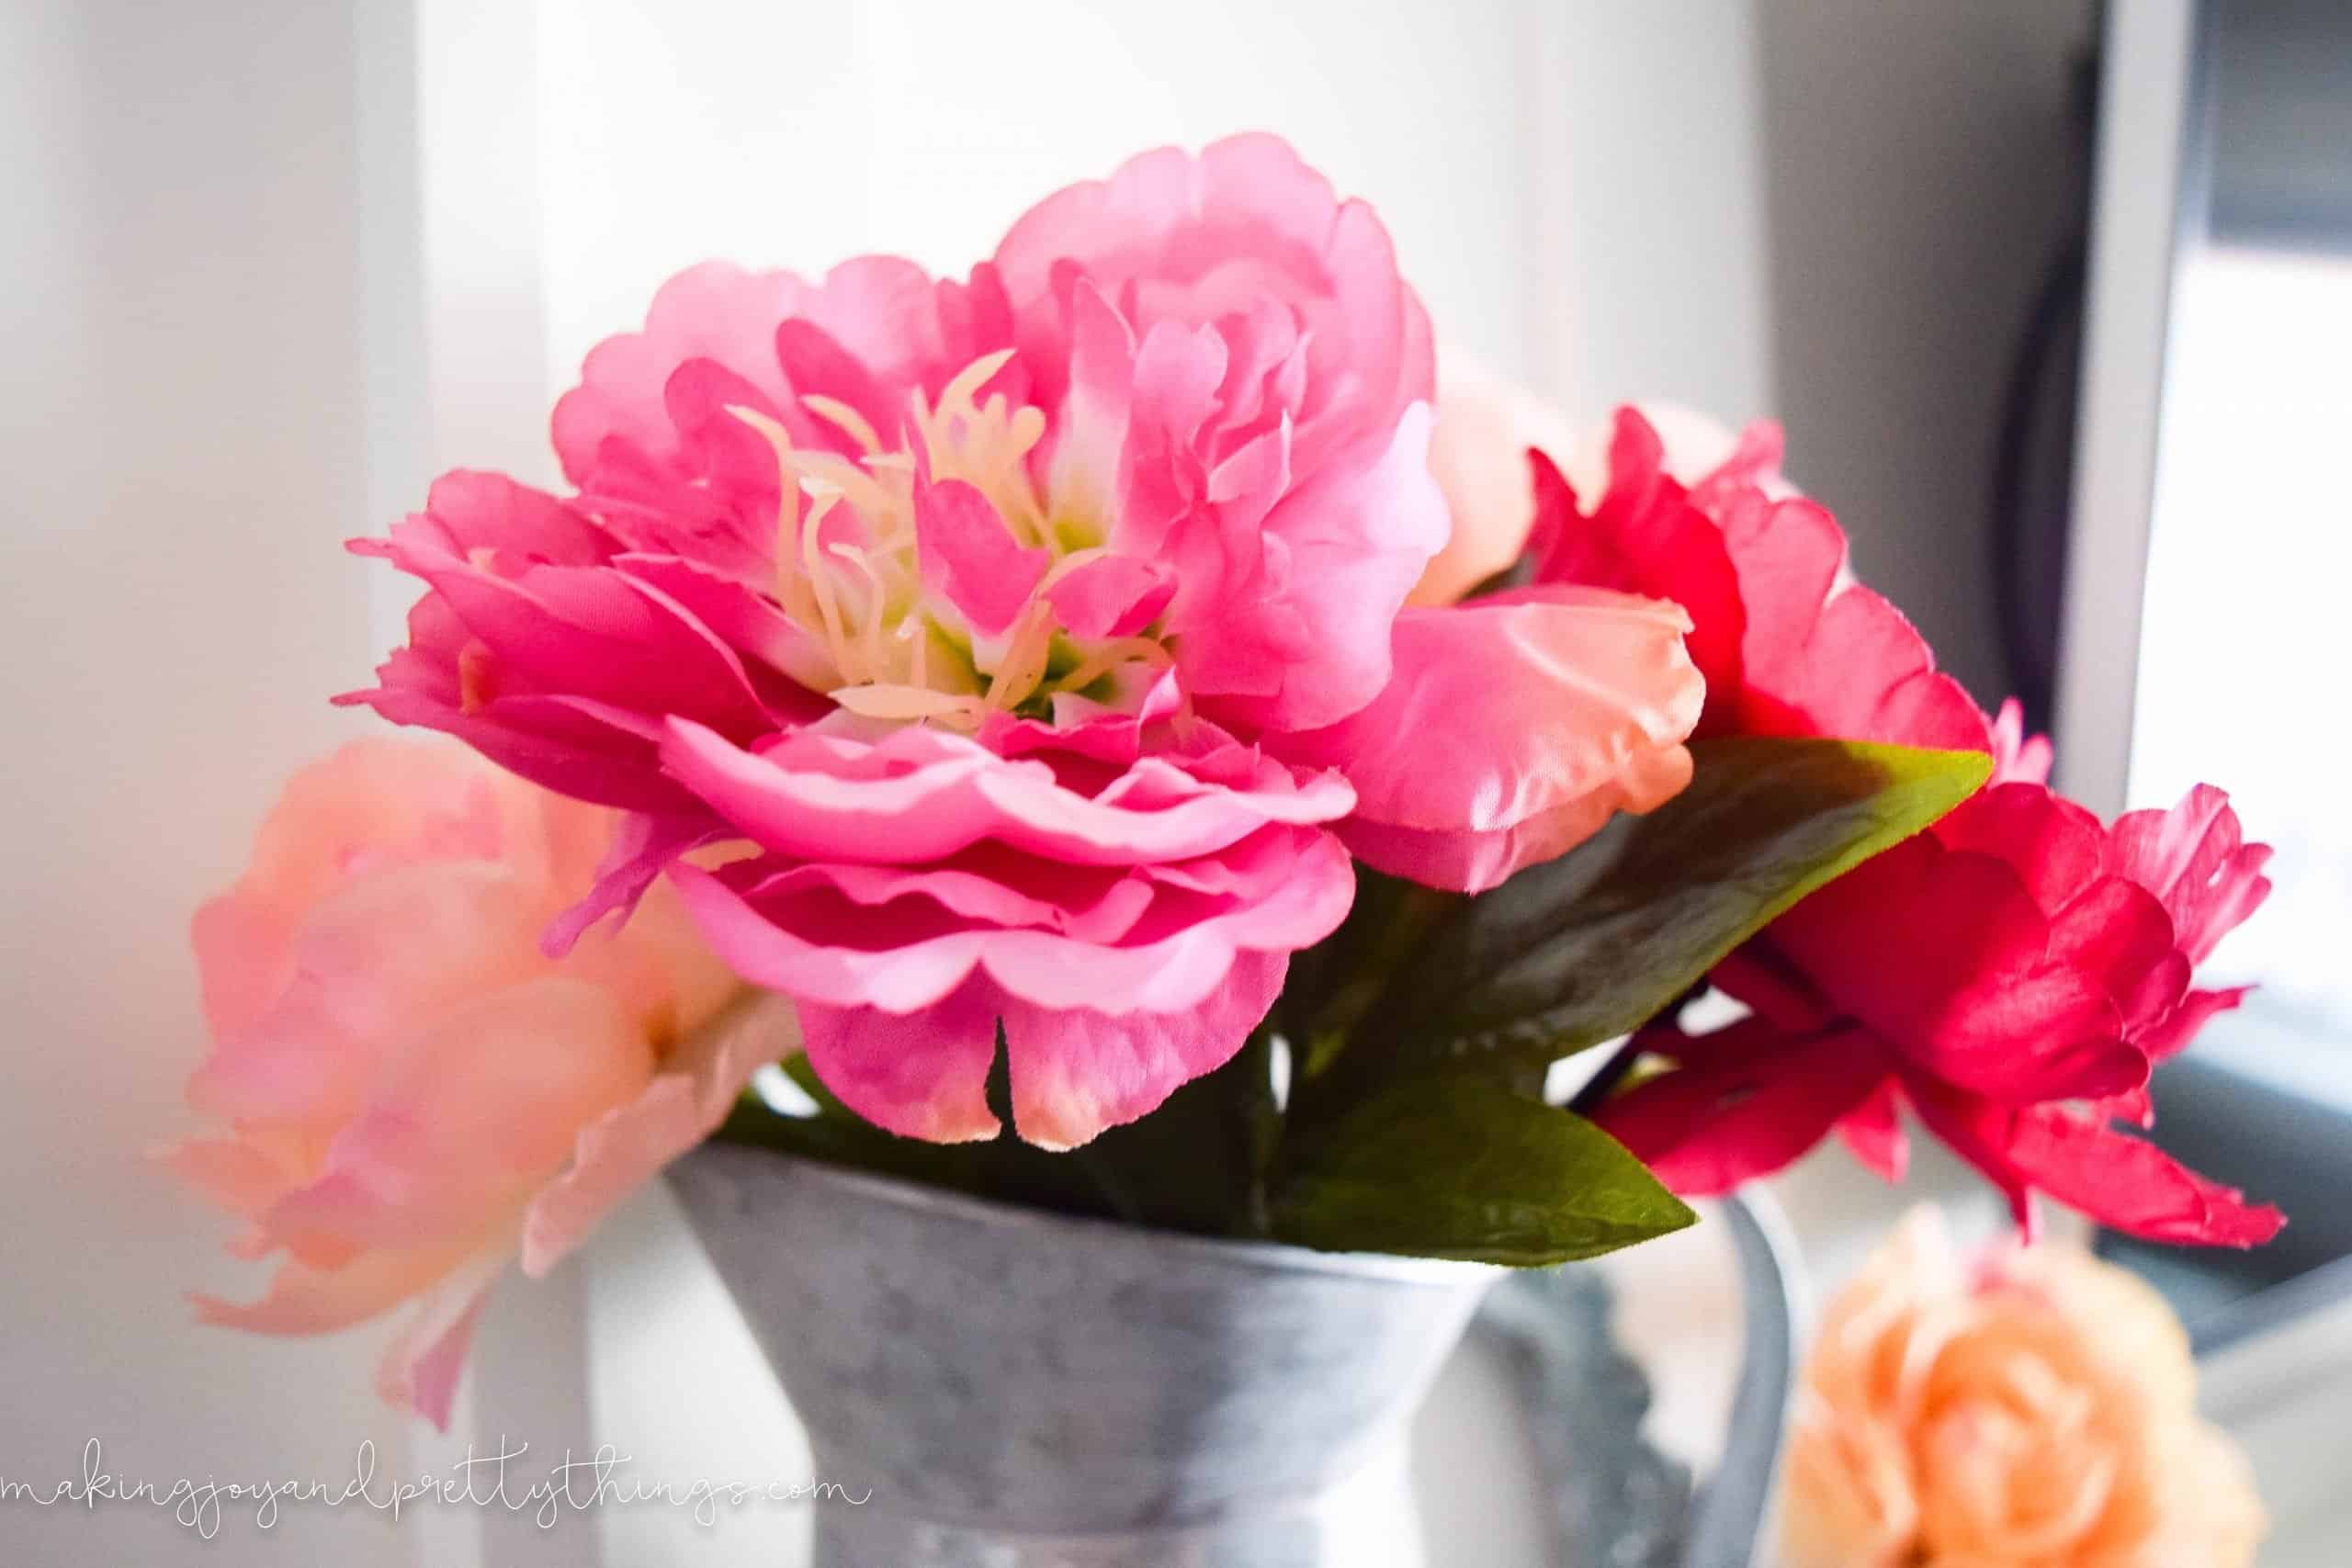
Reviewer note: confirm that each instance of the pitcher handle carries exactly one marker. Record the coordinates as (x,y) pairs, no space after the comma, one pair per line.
(1729,1515)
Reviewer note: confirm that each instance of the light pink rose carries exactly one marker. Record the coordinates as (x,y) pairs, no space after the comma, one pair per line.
(1041,629)
(413,1093)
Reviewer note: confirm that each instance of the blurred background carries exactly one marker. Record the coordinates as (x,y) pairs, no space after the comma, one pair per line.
(2054,300)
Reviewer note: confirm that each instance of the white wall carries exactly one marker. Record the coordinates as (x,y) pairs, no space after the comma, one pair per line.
(181,428)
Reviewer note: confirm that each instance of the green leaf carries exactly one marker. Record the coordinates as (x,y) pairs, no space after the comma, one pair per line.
(1451,1165)
(1593,945)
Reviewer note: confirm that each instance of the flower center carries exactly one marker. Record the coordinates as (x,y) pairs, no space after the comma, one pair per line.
(849,568)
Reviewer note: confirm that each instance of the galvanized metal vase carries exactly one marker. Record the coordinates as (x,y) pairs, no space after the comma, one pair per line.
(1015,1389)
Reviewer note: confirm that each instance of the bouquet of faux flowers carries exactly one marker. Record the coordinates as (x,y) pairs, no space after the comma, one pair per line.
(1102,733)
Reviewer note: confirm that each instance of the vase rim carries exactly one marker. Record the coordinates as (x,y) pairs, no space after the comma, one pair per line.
(1265,1256)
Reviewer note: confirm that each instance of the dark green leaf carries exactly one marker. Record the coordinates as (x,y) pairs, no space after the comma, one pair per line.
(1451,1165)
(1332,985)
(1591,945)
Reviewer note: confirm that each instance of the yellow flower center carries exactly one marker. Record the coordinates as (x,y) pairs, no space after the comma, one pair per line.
(897,651)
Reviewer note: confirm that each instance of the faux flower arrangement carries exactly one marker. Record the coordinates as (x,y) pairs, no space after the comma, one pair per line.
(2027,1405)
(1116,739)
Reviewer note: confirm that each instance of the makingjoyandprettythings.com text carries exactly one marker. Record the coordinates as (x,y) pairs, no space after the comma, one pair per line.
(495,1480)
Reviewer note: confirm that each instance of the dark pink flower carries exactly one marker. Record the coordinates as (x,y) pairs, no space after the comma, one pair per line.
(2010,975)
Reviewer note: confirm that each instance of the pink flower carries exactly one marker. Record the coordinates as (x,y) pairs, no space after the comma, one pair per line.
(1041,630)
(2010,975)
(413,1092)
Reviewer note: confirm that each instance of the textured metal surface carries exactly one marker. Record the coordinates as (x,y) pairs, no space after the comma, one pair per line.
(1615,1501)
(1021,1390)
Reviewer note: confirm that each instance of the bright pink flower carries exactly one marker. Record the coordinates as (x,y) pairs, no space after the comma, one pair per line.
(1040,629)
(414,1092)
(2011,974)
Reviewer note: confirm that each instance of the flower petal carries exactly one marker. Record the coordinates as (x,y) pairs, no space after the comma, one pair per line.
(1077,1071)
(1750,1102)
(419,1369)
(912,954)
(921,1075)
(2121,1182)
(1511,728)
(2195,860)
(970,557)
(621,1150)
(920,795)
(1972,976)
(477,1116)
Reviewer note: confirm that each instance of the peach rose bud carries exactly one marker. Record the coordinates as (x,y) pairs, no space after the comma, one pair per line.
(2035,1406)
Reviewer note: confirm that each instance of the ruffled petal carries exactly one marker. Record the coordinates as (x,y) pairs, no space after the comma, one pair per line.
(1645,537)
(923,1074)
(908,953)
(1133,975)
(478,1115)
(1470,861)
(920,795)
(1305,642)
(2194,858)
(875,329)
(716,311)
(1111,596)
(1176,237)
(369,805)
(371,964)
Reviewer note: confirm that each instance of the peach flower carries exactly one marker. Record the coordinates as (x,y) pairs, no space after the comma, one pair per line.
(414,1092)
(1479,457)
(2034,1410)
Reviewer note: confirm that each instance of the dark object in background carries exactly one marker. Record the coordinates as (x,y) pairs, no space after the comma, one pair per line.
(2033,463)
